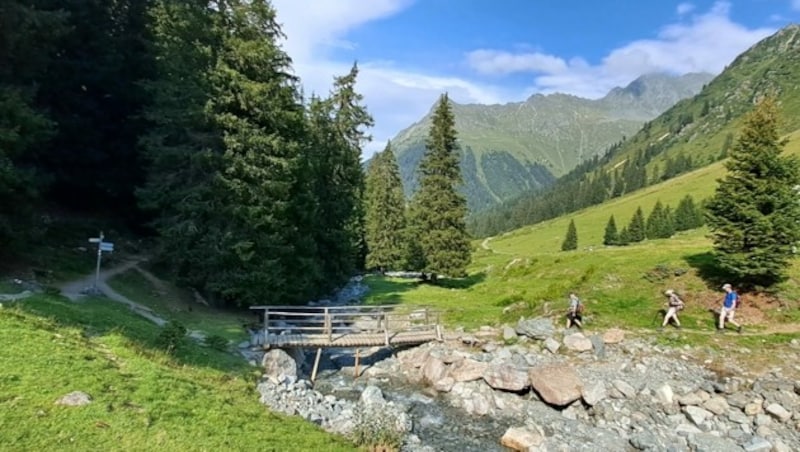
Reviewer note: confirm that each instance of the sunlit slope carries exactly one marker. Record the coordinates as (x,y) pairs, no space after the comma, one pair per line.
(591,222)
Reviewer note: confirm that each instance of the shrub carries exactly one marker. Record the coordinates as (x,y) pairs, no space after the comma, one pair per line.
(172,336)
(376,430)
(217,342)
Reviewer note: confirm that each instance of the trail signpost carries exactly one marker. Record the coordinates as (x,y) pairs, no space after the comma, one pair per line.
(101,246)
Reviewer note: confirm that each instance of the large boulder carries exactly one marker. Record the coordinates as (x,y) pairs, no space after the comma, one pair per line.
(557,385)
(540,328)
(433,370)
(578,342)
(468,370)
(506,378)
(278,365)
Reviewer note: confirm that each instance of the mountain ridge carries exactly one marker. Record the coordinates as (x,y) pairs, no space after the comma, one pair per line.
(507,149)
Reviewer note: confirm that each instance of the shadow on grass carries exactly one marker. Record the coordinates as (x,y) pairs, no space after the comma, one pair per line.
(708,270)
(462,283)
(98,316)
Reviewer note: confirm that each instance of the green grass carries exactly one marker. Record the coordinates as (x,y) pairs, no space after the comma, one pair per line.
(143,399)
(525,273)
(171,303)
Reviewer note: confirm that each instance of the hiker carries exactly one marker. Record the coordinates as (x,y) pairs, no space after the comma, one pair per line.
(729,305)
(675,304)
(575,310)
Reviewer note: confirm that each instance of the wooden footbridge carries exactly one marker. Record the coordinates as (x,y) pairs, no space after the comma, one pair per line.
(348,327)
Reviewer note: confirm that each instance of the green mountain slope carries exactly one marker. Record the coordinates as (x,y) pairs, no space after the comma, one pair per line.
(692,134)
(508,149)
(702,127)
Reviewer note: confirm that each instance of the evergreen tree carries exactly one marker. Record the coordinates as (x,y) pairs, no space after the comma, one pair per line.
(659,222)
(636,228)
(571,239)
(611,236)
(687,215)
(28,36)
(754,212)
(439,210)
(624,236)
(338,125)
(385,212)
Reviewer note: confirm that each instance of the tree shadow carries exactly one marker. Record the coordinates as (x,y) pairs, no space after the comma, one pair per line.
(708,269)
(461,283)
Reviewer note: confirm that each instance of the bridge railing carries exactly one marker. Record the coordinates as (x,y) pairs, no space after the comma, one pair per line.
(334,321)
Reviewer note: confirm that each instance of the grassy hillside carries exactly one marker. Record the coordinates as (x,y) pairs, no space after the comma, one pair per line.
(524,273)
(143,398)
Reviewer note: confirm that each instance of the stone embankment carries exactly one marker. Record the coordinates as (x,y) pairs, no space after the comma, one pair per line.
(554,390)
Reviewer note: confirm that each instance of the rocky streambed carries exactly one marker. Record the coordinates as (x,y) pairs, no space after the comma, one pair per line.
(550,390)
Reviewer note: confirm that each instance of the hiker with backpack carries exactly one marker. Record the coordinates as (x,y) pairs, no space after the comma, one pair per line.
(729,305)
(674,304)
(574,312)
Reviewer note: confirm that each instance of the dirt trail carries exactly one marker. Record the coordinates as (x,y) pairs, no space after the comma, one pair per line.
(74,290)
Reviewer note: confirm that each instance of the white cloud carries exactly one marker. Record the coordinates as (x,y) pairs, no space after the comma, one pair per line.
(488,61)
(685,8)
(395,97)
(702,43)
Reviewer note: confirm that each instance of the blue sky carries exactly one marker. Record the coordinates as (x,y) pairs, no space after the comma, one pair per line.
(498,51)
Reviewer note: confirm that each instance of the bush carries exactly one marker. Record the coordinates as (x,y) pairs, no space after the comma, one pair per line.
(217,342)
(172,336)
(376,431)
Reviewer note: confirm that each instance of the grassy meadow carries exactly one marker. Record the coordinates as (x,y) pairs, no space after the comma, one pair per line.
(524,273)
(143,399)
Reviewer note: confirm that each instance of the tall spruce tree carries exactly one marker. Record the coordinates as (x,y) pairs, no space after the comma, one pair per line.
(385,221)
(571,239)
(611,236)
(754,213)
(636,228)
(183,147)
(659,222)
(438,209)
(687,216)
(28,33)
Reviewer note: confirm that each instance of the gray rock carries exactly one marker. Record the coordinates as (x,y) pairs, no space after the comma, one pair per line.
(738,400)
(539,328)
(551,344)
(758,444)
(445,384)
(372,395)
(599,346)
(779,412)
(690,399)
(762,419)
(696,414)
(706,442)
(686,430)
(664,394)
(645,440)
(577,342)
(278,365)
(624,388)
(738,417)
(594,392)
(75,398)
(613,336)
(509,333)
(716,405)
(753,408)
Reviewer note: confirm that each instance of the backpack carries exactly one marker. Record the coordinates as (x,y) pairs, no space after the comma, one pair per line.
(580,308)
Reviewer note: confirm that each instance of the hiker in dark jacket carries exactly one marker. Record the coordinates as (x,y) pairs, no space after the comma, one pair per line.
(574,311)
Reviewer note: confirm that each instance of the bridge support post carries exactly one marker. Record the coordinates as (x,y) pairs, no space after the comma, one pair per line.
(316,365)
(357,373)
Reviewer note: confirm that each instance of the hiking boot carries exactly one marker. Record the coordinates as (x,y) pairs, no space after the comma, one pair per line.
(739,329)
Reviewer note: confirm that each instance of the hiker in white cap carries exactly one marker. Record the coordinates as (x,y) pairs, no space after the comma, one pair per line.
(729,305)
(675,304)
